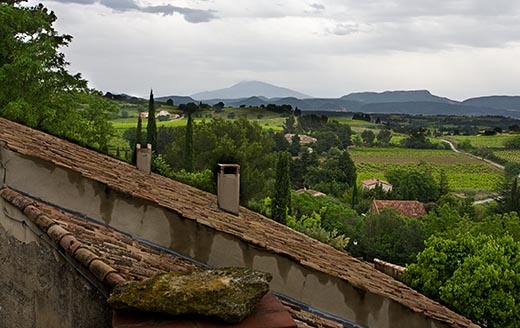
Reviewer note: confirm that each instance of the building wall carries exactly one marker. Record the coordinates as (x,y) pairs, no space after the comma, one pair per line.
(68,189)
(37,288)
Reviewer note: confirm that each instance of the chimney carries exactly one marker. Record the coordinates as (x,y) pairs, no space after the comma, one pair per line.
(228,188)
(144,158)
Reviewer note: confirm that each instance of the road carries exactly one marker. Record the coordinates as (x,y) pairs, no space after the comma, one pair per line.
(480,158)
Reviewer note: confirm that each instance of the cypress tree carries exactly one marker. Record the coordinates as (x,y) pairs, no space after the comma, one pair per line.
(138,138)
(188,146)
(282,193)
(151,128)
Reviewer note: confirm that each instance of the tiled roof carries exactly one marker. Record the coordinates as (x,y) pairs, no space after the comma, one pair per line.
(314,193)
(371,182)
(408,208)
(201,207)
(113,257)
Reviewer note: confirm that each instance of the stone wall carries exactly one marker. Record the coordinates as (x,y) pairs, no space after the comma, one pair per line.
(37,287)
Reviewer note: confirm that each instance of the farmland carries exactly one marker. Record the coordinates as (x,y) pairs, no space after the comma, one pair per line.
(465,173)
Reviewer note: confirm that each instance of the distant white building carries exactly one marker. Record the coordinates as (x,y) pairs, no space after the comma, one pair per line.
(373,183)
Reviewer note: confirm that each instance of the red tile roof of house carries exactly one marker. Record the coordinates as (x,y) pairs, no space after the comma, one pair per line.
(370,182)
(408,208)
(201,207)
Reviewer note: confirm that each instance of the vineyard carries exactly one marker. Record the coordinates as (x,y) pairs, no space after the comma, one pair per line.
(508,155)
(464,173)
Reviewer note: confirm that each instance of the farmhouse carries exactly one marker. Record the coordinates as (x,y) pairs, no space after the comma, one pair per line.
(373,183)
(313,192)
(407,208)
(304,139)
(74,223)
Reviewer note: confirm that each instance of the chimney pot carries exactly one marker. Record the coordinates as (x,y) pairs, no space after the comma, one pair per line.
(144,158)
(228,189)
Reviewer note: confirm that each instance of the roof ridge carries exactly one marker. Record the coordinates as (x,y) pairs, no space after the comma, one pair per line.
(63,238)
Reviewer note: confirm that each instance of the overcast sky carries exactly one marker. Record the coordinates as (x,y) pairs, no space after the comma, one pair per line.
(324,48)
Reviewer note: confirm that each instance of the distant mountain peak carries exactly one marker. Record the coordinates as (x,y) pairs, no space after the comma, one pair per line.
(246,89)
(396,96)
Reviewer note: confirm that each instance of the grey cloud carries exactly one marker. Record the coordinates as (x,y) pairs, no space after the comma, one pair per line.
(317,6)
(344,29)
(189,14)
(120,5)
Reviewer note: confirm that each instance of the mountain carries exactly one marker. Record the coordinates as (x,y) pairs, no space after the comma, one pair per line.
(177,100)
(498,102)
(248,89)
(396,96)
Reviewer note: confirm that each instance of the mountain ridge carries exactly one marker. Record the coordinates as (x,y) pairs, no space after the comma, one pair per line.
(246,89)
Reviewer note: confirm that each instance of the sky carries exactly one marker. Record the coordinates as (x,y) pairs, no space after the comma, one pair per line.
(324,48)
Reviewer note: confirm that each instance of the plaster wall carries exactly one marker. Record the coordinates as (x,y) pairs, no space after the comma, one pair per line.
(68,189)
(37,288)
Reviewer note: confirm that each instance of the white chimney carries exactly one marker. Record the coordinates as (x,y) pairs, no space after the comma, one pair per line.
(144,158)
(228,188)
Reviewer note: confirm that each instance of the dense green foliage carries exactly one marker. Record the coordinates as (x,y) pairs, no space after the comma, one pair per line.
(36,88)
(476,275)
(281,204)
(219,141)
(188,145)
(413,184)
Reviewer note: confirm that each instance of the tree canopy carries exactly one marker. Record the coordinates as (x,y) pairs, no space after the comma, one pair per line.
(35,87)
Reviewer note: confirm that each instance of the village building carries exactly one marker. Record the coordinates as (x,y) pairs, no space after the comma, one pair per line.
(304,139)
(74,223)
(313,192)
(371,184)
(407,208)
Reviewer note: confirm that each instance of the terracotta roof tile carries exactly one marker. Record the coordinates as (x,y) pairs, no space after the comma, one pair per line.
(408,208)
(200,206)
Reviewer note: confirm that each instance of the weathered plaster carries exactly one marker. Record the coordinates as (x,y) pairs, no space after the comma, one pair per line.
(149,221)
(39,289)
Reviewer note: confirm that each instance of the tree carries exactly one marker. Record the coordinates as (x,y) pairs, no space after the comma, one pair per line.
(138,138)
(413,184)
(477,276)
(384,136)
(368,137)
(417,139)
(188,152)
(282,190)
(335,176)
(169,102)
(151,128)
(326,140)
(295,146)
(35,87)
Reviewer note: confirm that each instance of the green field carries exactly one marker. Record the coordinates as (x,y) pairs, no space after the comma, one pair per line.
(464,173)
(484,141)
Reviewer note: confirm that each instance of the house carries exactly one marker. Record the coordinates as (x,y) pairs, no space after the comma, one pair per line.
(163,113)
(373,183)
(304,139)
(40,270)
(407,208)
(313,192)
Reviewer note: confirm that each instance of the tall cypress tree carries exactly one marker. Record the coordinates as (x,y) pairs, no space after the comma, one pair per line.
(151,128)
(282,191)
(138,138)
(188,146)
